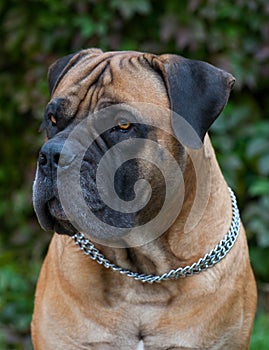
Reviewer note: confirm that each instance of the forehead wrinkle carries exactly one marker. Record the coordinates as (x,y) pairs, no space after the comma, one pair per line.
(134,80)
(79,85)
(80,78)
(116,76)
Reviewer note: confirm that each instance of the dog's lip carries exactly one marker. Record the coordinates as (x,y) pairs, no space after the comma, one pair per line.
(64,227)
(45,219)
(48,213)
(59,221)
(55,209)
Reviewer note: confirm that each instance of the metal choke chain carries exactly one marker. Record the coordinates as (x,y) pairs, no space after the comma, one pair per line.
(209,260)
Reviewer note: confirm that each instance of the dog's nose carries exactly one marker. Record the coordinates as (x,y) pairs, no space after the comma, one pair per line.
(51,153)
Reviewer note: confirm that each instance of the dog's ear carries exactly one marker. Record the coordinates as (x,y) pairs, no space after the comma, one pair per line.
(198,92)
(56,70)
(59,68)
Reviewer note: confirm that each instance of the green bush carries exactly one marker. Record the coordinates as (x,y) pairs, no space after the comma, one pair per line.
(260,336)
(233,35)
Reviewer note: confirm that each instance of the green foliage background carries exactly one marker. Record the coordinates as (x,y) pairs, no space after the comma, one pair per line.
(233,35)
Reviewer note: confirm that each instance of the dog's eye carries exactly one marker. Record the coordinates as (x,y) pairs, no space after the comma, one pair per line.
(124,124)
(53,119)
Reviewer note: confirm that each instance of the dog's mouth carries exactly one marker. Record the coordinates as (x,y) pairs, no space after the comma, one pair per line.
(55,218)
(56,210)
(64,227)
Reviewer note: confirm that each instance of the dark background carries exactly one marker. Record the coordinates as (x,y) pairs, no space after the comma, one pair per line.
(233,35)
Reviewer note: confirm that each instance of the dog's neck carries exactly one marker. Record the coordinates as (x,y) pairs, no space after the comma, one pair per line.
(189,238)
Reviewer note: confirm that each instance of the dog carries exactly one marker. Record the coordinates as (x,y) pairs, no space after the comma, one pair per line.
(127,290)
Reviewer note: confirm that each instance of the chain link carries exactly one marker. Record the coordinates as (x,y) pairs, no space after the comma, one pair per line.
(209,260)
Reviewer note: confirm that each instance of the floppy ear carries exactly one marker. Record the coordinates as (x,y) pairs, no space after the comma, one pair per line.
(55,71)
(198,92)
(58,69)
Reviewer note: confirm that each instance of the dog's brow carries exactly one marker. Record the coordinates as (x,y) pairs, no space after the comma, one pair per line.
(105,104)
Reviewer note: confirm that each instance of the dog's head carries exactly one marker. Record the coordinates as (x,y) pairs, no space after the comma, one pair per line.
(121,96)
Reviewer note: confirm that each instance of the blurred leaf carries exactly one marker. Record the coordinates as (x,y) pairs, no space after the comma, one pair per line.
(260,336)
(259,188)
(257,146)
(260,262)
(86,25)
(131,7)
(263,165)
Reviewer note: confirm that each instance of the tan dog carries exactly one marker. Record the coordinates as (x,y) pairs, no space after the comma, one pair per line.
(81,305)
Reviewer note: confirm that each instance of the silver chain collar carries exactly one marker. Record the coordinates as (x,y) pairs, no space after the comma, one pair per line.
(209,260)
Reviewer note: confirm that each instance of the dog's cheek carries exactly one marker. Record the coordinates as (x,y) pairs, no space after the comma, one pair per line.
(93,199)
(152,174)
(125,178)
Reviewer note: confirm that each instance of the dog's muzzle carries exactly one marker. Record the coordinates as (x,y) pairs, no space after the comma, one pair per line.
(47,205)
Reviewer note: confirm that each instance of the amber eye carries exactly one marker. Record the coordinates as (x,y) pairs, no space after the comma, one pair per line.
(124,125)
(52,119)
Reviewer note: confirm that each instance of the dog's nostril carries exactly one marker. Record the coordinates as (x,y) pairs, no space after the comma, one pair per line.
(42,159)
(50,159)
(52,155)
(56,158)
